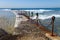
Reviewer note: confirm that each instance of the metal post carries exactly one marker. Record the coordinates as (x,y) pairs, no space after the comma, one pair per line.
(53,19)
(37,18)
(32,13)
(29,14)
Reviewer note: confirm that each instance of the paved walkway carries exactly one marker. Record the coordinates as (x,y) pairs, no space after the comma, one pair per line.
(19,18)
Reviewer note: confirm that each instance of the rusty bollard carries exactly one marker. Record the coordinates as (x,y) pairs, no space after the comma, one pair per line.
(37,18)
(53,19)
(32,14)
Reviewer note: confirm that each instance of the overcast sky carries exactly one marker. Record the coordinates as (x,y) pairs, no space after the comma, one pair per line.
(29,3)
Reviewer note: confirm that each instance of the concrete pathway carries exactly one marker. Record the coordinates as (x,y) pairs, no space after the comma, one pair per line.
(19,18)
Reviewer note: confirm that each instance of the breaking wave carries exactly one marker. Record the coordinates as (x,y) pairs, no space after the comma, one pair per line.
(39,11)
(5,9)
(35,11)
(43,17)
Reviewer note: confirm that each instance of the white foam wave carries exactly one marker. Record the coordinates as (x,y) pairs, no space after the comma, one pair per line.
(43,17)
(5,9)
(39,11)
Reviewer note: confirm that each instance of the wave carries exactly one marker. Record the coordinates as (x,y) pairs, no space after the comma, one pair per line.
(5,9)
(35,11)
(43,17)
(39,11)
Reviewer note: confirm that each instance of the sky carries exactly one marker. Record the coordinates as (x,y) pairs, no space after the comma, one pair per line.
(29,3)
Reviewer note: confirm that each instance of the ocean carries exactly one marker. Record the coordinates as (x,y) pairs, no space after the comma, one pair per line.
(45,15)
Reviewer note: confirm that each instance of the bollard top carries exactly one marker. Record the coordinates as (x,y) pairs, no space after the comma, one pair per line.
(53,18)
(37,14)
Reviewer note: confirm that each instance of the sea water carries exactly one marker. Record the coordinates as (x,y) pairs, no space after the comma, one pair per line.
(7,20)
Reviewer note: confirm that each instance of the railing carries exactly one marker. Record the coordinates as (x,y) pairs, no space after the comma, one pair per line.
(30,14)
(7,23)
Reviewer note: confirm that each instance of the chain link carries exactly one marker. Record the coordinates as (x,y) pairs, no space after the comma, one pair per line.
(39,21)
